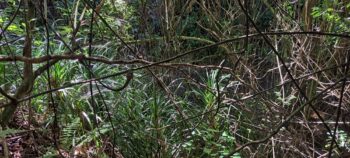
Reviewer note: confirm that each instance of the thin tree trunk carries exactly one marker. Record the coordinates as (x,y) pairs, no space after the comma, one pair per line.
(28,76)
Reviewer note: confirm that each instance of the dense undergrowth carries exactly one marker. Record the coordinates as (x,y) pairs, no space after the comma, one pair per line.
(169,78)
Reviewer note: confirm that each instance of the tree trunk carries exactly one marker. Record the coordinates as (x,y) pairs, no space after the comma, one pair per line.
(28,76)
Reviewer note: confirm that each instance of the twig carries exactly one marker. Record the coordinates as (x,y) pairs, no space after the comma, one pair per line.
(285,122)
(285,66)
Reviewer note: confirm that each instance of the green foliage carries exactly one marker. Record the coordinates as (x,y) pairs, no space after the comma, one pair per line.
(329,12)
(173,109)
(343,140)
(70,133)
(209,143)
(51,153)
(286,100)
(10,131)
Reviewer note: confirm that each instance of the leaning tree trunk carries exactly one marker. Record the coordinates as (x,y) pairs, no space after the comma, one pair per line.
(28,76)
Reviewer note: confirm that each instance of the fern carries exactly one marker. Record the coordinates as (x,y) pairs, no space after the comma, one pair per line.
(70,133)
